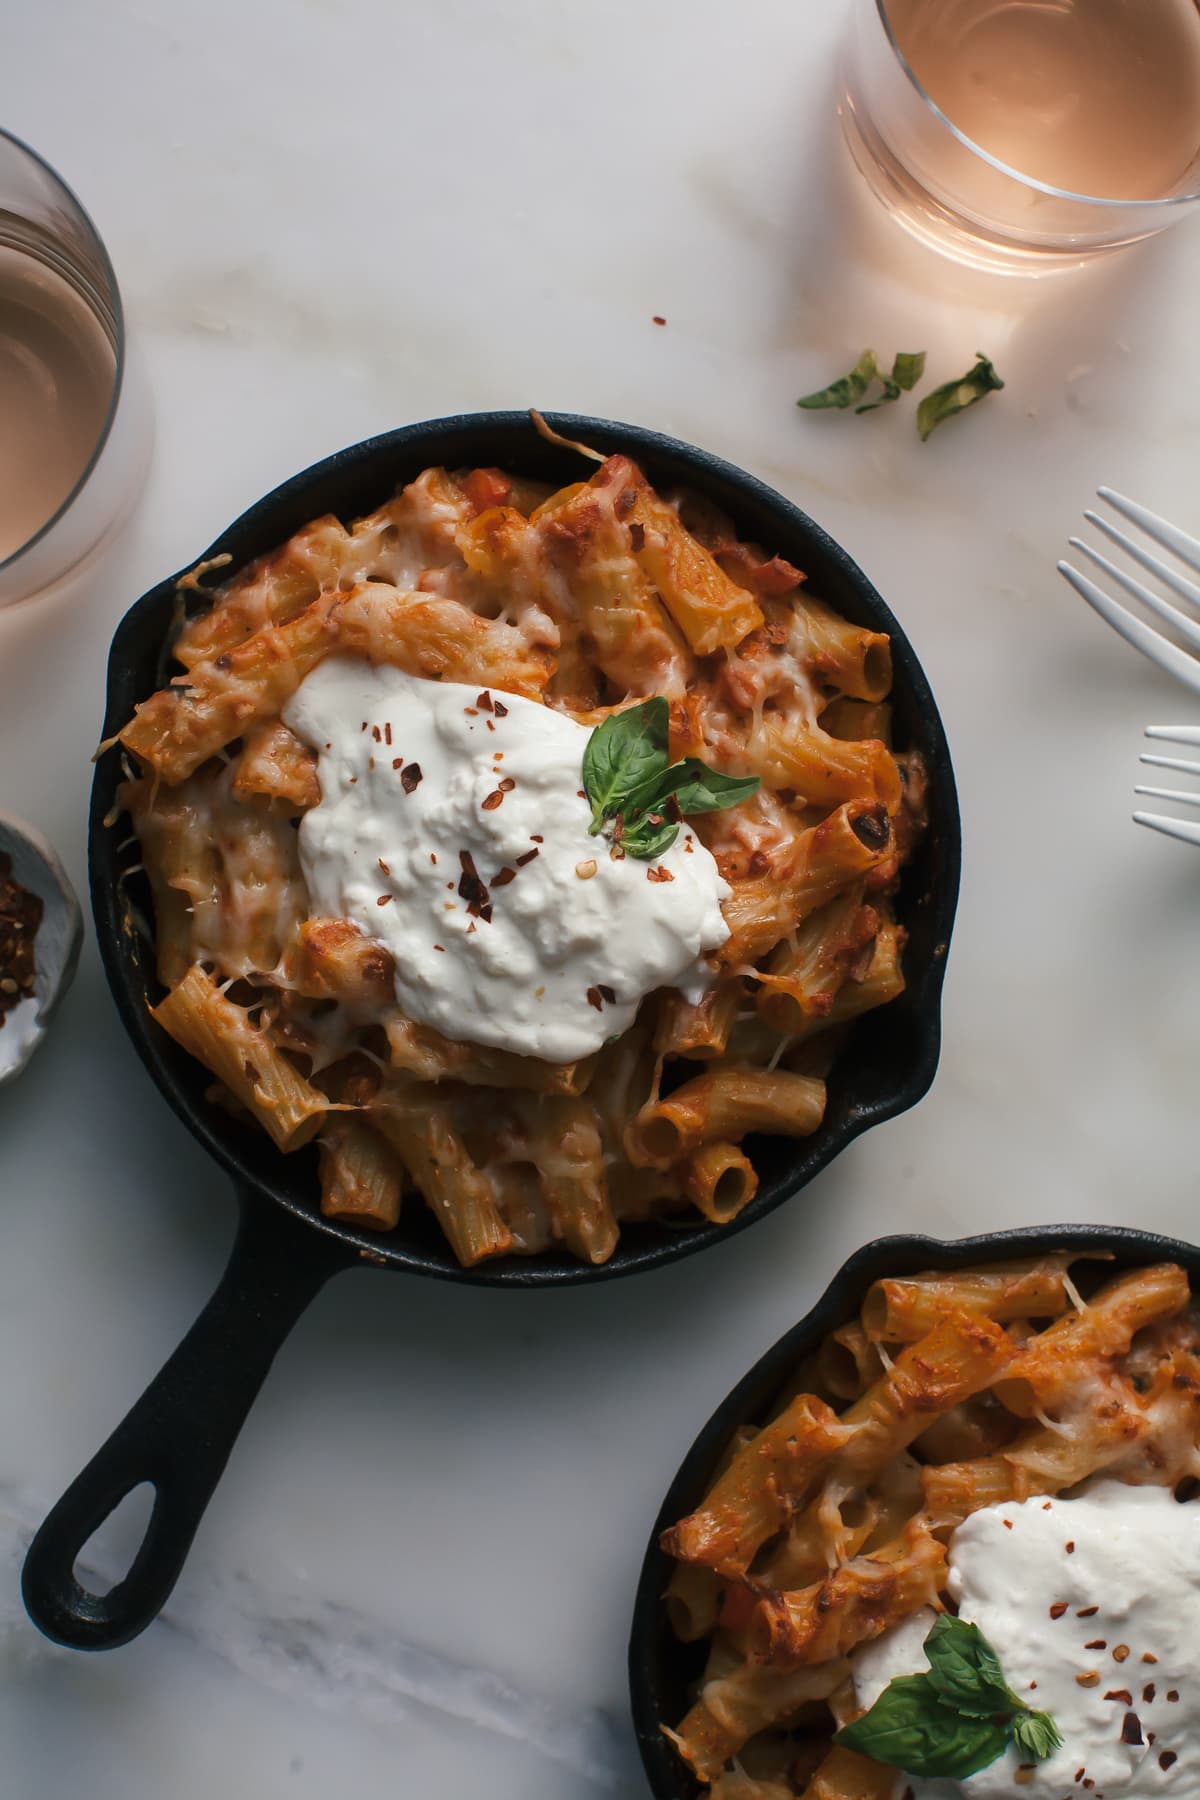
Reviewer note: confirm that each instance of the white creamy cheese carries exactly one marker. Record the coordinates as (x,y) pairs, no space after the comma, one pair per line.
(1105,1584)
(425,794)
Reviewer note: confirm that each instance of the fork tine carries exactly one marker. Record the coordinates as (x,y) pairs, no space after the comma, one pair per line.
(1179,763)
(1176,828)
(1170,657)
(1179,584)
(1170,615)
(1174,734)
(1157,793)
(1186,548)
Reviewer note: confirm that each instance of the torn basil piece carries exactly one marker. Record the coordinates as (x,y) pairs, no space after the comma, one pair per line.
(955,396)
(848,389)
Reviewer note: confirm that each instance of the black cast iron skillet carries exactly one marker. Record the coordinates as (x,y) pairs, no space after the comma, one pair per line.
(661,1669)
(179,1435)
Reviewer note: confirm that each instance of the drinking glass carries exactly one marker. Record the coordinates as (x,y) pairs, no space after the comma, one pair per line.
(950,192)
(74,411)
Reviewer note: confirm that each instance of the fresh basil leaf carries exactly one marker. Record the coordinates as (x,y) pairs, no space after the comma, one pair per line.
(912,1728)
(695,788)
(699,789)
(955,396)
(849,388)
(965,1669)
(647,840)
(1036,1734)
(627,750)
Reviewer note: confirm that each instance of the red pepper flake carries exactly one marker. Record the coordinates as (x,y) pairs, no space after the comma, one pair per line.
(1166,1758)
(1069,1546)
(593,999)
(433,856)
(1121,1694)
(472,889)
(384,899)
(581,794)
(1086,1612)
(377,734)
(410,777)
(687,848)
(397,762)
(606,993)
(1046,1508)
(658,873)
(366,724)
(1131,1729)
(484,701)
(1172,1693)
(1080,1773)
(535,839)
(370,762)
(490,723)
(497,756)
(440,947)
(387,732)
(658,319)
(499,708)
(471,928)
(527,858)
(384,866)
(471,712)
(1088,1783)
(1097,1644)
(1008,1524)
(494,799)
(507,785)
(503,876)
(1148,1657)
(1148,1693)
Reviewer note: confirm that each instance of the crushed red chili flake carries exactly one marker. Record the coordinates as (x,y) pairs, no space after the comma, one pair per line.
(1008,1524)
(1086,1612)
(1080,1773)
(1131,1729)
(1172,1693)
(535,839)
(410,777)
(1166,1758)
(384,866)
(377,734)
(494,799)
(1148,1656)
(484,701)
(366,724)
(658,319)
(507,785)
(397,762)
(440,947)
(658,873)
(1097,1644)
(1069,1547)
(384,899)
(527,858)
(1148,1693)
(491,724)
(499,708)
(471,712)
(471,888)
(433,856)
(370,762)
(606,993)
(593,999)
(503,876)
(387,732)
(1121,1694)
(20,917)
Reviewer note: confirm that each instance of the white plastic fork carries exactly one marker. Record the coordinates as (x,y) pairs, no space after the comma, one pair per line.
(1144,637)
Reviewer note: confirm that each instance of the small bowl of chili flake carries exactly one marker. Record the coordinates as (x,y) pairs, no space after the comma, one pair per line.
(41,930)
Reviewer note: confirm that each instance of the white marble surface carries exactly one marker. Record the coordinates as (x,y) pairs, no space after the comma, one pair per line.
(416,1576)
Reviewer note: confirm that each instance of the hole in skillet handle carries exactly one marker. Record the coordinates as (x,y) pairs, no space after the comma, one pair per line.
(178,1436)
(663,1671)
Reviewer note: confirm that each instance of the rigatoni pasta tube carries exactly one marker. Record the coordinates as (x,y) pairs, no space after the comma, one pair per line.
(719,1181)
(847,657)
(746,1700)
(751,1499)
(856,1602)
(845,1775)
(763,909)
(722,1106)
(902,1308)
(422,1128)
(220,1035)
(361,1178)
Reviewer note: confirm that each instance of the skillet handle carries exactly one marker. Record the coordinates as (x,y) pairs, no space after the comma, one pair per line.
(178,1436)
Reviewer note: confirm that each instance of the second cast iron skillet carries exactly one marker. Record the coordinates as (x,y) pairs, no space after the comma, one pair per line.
(662,1671)
(178,1436)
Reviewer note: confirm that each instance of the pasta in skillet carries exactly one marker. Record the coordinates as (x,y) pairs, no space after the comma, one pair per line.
(583,602)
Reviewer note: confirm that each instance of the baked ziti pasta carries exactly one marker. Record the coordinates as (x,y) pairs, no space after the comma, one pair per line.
(984,1456)
(535,1084)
